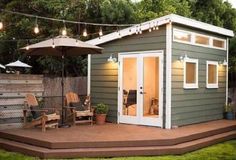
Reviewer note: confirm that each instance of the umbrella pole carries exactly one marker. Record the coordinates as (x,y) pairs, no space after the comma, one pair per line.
(63,124)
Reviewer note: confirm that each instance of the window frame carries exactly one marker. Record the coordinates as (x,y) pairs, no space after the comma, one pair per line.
(219,39)
(204,36)
(181,41)
(193,37)
(190,85)
(213,85)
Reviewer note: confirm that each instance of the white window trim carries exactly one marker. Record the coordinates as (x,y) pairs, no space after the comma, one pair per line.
(224,40)
(193,37)
(191,85)
(202,35)
(181,41)
(214,85)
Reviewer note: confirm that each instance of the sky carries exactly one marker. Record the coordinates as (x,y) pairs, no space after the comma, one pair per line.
(233,2)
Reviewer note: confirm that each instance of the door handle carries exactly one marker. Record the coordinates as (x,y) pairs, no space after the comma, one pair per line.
(143,92)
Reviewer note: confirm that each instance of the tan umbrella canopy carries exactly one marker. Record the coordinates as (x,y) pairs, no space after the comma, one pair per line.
(62,46)
(2,66)
(18,64)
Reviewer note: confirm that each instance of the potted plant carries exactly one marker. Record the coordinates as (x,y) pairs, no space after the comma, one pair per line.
(229,114)
(101,112)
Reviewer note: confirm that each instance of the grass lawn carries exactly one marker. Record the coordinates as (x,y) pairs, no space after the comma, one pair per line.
(222,151)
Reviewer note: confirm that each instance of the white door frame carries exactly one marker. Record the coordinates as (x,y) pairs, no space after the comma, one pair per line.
(139,119)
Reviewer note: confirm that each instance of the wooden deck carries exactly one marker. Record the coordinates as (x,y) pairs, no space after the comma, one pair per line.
(113,140)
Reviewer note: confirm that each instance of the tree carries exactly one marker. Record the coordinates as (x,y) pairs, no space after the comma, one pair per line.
(150,9)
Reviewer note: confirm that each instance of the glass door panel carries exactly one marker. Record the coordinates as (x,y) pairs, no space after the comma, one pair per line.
(129,87)
(150,87)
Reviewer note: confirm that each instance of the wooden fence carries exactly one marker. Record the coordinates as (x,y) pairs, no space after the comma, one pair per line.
(14,87)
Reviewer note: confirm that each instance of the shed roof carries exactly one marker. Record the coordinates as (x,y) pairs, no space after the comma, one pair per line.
(173,18)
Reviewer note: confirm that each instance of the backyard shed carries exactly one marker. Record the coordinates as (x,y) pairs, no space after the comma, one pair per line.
(167,72)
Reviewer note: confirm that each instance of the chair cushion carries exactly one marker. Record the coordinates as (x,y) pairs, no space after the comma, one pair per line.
(77,105)
(34,113)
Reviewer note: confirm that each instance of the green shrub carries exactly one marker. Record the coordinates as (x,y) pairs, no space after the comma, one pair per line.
(229,108)
(101,108)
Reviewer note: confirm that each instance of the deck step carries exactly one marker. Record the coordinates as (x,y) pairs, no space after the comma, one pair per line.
(114,143)
(116,151)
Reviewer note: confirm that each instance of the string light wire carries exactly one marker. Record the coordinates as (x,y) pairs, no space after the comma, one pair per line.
(66,21)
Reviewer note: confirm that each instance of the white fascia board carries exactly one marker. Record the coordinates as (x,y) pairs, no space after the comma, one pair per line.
(200,25)
(161,21)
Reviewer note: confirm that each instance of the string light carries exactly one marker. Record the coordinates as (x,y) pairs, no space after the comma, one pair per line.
(130,33)
(53,44)
(77,42)
(100,31)
(150,29)
(1,25)
(36,27)
(140,29)
(119,34)
(157,26)
(66,21)
(136,31)
(64,31)
(154,27)
(85,34)
(27,47)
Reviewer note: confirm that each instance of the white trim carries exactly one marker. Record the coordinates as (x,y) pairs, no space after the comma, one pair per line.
(161,21)
(193,39)
(227,72)
(89,75)
(220,39)
(190,85)
(200,25)
(168,75)
(120,101)
(214,85)
(139,119)
(203,36)
(181,31)
(141,52)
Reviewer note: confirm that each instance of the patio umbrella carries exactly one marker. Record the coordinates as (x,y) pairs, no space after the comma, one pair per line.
(2,66)
(18,64)
(62,46)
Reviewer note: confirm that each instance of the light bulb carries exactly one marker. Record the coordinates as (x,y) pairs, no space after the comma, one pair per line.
(77,42)
(64,32)
(1,25)
(130,33)
(150,28)
(140,31)
(119,34)
(100,31)
(156,26)
(85,34)
(27,48)
(136,32)
(36,29)
(53,44)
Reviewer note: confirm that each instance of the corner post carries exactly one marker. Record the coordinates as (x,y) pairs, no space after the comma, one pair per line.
(167,117)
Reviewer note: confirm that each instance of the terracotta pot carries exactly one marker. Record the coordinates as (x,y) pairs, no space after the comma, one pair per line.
(100,118)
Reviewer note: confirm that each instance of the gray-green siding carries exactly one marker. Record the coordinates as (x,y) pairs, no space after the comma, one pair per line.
(190,106)
(104,76)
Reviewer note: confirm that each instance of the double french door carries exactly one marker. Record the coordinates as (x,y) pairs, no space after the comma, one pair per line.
(140,88)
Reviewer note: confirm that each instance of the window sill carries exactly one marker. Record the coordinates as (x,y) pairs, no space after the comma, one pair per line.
(190,86)
(212,86)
